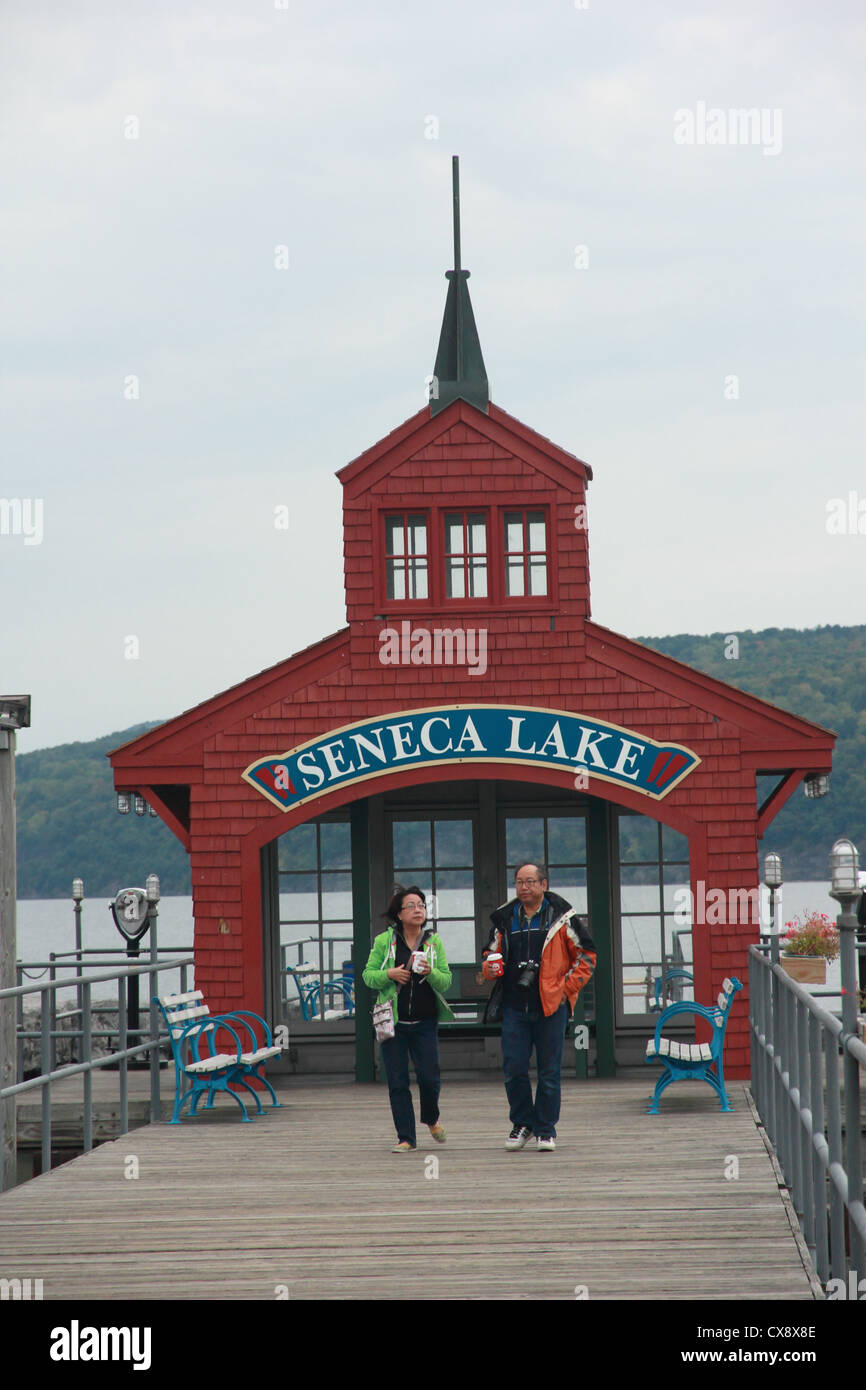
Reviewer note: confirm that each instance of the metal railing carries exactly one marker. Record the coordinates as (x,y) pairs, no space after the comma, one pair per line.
(71,960)
(88,1063)
(806,1084)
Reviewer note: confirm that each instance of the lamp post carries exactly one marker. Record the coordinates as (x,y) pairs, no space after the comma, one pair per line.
(773,880)
(78,898)
(151,889)
(845,888)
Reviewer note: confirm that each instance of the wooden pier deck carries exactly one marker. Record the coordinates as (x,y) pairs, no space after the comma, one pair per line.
(309,1203)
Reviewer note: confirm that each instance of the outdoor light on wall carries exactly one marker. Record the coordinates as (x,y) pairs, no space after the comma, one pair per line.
(773,871)
(151,812)
(77,890)
(139,805)
(14,712)
(844,870)
(818,784)
(123,803)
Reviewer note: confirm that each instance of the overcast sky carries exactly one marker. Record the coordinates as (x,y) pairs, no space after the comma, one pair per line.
(705,353)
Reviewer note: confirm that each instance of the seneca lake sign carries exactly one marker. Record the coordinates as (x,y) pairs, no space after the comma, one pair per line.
(449,734)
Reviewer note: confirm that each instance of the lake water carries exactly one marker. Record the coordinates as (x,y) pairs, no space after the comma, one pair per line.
(48,925)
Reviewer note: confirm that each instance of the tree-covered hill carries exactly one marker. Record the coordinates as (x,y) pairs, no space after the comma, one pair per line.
(68,826)
(819,674)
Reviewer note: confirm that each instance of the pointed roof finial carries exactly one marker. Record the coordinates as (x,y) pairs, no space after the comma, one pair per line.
(459,369)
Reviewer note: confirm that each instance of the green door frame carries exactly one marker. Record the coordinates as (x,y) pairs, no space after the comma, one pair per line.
(362,917)
(599,898)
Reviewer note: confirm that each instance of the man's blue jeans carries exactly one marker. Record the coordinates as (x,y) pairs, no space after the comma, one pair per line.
(420,1041)
(520,1032)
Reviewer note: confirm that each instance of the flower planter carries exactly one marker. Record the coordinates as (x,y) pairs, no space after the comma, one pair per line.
(806,970)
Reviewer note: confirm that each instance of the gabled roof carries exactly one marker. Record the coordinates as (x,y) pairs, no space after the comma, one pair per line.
(496,426)
(172,750)
(181,735)
(753,715)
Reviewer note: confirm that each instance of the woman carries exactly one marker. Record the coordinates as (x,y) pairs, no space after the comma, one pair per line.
(416,998)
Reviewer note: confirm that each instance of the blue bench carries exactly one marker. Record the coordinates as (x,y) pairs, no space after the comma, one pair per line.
(683,1061)
(190,1022)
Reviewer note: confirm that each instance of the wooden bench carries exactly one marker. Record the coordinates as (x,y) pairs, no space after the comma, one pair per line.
(683,1061)
(189,1022)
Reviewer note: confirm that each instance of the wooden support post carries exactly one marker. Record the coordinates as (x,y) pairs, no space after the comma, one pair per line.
(8,1048)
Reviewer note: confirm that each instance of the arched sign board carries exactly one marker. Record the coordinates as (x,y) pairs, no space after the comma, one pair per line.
(522,736)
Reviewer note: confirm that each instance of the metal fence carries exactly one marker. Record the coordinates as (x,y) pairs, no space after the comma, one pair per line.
(88,1064)
(806,1067)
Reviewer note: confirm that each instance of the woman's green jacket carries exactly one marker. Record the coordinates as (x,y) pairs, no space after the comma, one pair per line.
(382,958)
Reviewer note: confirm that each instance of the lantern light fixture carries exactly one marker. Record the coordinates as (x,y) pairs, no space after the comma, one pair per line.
(844,869)
(773,871)
(817,785)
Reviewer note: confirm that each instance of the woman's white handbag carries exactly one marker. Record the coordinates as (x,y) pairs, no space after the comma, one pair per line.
(383,1022)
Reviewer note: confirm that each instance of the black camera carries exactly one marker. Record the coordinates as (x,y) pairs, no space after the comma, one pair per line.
(528,971)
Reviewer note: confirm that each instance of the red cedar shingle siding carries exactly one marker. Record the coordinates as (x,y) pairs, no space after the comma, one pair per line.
(576,666)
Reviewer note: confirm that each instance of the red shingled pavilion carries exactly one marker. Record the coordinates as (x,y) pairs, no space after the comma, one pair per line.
(523,730)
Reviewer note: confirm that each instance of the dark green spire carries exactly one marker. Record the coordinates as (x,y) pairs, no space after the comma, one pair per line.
(459,369)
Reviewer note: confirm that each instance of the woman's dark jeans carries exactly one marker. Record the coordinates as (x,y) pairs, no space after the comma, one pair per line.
(420,1041)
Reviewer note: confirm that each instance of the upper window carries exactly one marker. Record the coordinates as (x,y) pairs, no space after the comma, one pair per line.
(525,554)
(406,559)
(465,555)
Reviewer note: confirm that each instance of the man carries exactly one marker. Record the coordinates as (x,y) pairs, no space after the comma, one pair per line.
(548,956)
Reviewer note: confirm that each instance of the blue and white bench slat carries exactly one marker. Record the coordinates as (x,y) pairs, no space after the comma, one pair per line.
(184,1015)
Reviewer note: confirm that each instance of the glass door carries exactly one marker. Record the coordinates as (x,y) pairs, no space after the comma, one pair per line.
(654,941)
(438,854)
(313,865)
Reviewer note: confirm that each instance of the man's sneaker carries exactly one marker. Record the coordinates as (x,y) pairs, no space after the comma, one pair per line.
(519,1136)
(544,1143)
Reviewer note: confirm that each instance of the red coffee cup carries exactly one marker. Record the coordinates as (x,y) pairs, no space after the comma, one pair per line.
(495,966)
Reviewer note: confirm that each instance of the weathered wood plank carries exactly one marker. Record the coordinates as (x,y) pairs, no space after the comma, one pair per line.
(310,1197)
